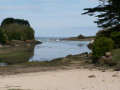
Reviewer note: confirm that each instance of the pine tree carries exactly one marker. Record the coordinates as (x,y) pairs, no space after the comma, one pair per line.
(108,13)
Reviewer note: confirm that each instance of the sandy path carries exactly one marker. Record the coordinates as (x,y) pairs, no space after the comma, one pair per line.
(76,79)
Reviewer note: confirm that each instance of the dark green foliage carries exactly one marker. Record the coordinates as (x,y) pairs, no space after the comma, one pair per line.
(108,13)
(113,33)
(116,56)
(81,37)
(21,22)
(17,32)
(3,36)
(101,46)
(15,29)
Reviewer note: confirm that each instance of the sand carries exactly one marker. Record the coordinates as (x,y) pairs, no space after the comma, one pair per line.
(77,79)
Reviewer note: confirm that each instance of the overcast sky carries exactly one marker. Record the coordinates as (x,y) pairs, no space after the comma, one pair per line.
(52,18)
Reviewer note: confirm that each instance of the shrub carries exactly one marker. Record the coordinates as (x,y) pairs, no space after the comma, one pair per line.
(113,33)
(18,32)
(15,29)
(3,36)
(101,46)
(116,56)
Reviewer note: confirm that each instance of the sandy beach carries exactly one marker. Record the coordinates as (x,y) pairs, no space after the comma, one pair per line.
(75,79)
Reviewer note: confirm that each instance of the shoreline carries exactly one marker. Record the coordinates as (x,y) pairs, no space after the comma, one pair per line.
(80,61)
(73,72)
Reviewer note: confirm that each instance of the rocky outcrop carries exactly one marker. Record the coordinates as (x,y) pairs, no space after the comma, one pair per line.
(90,45)
(22,43)
(107,59)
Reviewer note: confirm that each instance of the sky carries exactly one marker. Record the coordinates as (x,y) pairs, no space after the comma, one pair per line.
(52,18)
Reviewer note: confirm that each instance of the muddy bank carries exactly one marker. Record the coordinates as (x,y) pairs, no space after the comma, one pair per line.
(66,63)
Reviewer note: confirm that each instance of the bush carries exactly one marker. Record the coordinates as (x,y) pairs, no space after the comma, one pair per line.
(3,36)
(113,33)
(18,32)
(15,29)
(116,56)
(101,46)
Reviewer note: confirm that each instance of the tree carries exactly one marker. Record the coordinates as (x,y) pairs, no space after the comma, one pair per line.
(15,29)
(3,36)
(21,22)
(17,32)
(108,13)
(81,36)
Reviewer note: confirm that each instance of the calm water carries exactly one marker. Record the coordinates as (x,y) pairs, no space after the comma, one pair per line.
(52,48)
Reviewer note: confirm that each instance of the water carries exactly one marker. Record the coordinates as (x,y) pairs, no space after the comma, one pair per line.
(52,48)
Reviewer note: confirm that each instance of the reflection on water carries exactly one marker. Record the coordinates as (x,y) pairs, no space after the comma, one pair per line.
(51,48)
(15,55)
(3,64)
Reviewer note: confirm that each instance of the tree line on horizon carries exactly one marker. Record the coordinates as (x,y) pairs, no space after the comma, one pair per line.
(15,29)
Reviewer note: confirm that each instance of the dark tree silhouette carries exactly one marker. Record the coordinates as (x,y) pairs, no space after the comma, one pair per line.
(15,29)
(108,13)
(21,22)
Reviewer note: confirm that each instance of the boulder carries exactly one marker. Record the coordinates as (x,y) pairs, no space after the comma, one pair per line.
(108,54)
(90,45)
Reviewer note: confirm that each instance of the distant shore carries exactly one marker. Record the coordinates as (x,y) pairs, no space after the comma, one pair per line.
(70,39)
(77,39)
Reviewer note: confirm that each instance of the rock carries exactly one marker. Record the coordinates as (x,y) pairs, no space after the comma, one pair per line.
(90,45)
(12,44)
(114,75)
(1,46)
(91,76)
(106,60)
(117,68)
(69,56)
(108,54)
(102,59)
(28,45)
